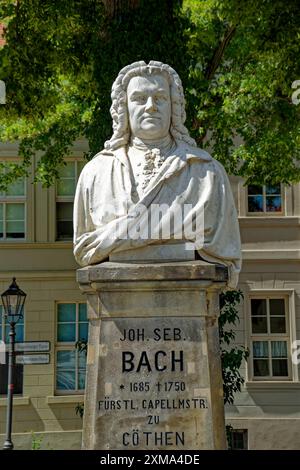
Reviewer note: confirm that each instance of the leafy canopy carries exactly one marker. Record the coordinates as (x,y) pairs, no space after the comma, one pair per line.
(237,61)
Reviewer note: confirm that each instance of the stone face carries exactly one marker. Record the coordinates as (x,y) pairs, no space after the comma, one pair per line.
(154,376)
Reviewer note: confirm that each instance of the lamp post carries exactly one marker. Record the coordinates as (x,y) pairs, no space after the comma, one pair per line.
(13,300)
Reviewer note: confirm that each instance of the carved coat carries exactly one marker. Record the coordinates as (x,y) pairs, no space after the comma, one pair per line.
(107,205)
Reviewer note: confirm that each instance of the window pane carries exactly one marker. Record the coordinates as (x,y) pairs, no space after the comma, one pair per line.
(279,348)
(83,331)
(280,368)
(81,380)
(66,184)
(15,212)
(66,359)
(67,170)
(15,229)
(259,325)
(255,204)
(261,367)
(66,332)
(65,211)
(64,220)
(66,312)
(277,325)
(255,189)
(277,307)
(66,187)
(274,189)
(258,307)
(65,380)
(260,349)
(64,230)
(273,204)
(82,312)
(239,439)
(17,188)
(82,360)
(65,375)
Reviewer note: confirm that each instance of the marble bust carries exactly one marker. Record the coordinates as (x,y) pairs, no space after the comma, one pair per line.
(150,163)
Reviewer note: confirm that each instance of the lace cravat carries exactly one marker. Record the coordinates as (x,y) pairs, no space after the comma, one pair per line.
(153,162)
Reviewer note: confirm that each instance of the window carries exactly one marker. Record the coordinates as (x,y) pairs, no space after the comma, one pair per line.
(72,326)
(269,338)
(265,199)
(18,369)
(65,191)
(12,211)
(238,439)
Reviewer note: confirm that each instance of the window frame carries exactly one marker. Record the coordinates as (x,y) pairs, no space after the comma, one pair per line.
(66,199)
(18,199)
(245,435)
(67,346)
(289,336)
(265,213)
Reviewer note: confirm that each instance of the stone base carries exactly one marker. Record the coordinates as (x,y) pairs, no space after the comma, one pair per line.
(153,369)
(156,253)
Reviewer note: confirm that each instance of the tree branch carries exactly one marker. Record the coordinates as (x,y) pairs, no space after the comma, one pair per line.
(219,52)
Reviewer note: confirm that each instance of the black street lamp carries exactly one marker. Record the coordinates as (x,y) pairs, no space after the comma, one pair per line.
(13,300)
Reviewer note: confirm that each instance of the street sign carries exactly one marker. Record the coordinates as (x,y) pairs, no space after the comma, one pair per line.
(31,359)
(33,346)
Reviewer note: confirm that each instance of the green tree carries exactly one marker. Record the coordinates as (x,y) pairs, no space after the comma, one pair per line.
(237,61)
(59,62)
(245,57)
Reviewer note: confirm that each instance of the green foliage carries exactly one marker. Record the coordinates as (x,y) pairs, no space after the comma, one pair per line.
(59,64)
(233,357)
(79,409)
(237,61)
(228,430)
(81,346)
(36,441)
(245,57)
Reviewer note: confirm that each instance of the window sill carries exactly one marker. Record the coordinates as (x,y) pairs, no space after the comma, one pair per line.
(269,221)
(17,401)
(57,399)
(270,385)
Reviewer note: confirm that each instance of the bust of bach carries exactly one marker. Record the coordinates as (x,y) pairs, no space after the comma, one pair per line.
(151,184)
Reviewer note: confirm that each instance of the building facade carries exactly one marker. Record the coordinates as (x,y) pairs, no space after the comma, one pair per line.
(36,247)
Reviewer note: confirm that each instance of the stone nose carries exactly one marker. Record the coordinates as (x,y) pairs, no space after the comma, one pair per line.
(150,104)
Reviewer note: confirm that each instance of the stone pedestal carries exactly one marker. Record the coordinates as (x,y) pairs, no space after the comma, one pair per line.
(153,367)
